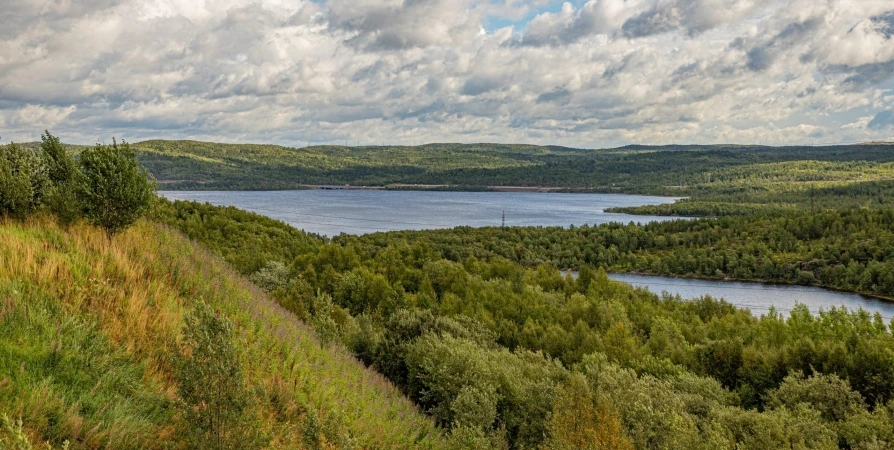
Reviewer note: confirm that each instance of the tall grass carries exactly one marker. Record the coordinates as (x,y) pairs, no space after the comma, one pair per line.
(89,327)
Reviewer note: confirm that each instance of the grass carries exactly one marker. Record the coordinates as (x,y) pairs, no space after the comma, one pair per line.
(89,327)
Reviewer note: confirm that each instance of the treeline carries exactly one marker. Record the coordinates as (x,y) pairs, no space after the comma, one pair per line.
(204,165)
(851,249)
(668,170)
(105,185)
(684,171)
(518,355)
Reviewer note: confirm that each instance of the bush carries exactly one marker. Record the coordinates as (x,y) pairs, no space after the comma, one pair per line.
(62,170)
(216,406)
(271,277)
(24,180)
(116,191)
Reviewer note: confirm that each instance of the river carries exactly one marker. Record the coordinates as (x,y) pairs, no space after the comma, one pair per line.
(759,297)
(332,212)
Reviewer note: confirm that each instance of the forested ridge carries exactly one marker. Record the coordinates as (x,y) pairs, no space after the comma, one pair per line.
(665,170)
(205,165)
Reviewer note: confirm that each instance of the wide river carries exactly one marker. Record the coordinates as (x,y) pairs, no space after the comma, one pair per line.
(331,212)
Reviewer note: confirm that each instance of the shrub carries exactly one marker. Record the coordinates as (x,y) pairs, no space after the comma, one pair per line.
(216,406)
(62,170)
(271,277)
(24,180)
(115,191)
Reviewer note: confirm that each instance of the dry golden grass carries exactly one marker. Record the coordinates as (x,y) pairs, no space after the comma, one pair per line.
(137,287)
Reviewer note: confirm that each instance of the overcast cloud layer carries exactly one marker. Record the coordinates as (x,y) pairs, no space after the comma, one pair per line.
(591,73)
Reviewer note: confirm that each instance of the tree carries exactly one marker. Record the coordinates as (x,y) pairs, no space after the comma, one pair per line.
(61,199)
(578,423)
(215,403)
(115,191)
(23,180)
(61,167)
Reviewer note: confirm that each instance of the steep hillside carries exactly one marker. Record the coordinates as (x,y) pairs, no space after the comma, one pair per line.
(89,332)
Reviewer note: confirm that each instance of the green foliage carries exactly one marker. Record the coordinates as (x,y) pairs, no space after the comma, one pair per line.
(323,322)
(831,396)
(61,166)
(274,275)
(24,180)
(667,170)
(13,437)
(245,240)
(115,190)
(464,321)
(206,165)
(217,409)
(62,198)
(848,250)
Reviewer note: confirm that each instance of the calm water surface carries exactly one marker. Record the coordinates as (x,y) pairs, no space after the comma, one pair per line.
(759,297)
(331,212)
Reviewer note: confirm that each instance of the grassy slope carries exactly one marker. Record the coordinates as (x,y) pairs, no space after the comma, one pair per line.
(88,327)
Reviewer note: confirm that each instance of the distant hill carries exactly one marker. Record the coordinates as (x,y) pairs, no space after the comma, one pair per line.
(635,168)
(677,170)
(204,165)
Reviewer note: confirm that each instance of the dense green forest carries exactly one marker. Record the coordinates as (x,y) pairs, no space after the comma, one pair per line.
(850,249)
(664,170)
(505,350)
(203,165)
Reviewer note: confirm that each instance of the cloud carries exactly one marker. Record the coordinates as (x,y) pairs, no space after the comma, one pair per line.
(570,25)
(884,119)
(762,56)
(478,85)
(884,24)
(402,24)
(688,16)
(604,72)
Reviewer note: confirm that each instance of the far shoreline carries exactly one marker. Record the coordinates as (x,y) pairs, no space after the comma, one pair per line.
(200,186)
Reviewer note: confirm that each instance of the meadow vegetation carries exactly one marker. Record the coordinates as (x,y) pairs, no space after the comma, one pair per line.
(93,340)
(139,338)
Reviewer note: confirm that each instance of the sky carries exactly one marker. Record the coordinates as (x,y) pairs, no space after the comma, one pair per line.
(585,73)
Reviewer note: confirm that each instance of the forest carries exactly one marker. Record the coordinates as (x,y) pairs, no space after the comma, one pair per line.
(683,171)
(848,249)
(508,352)
(482,337)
